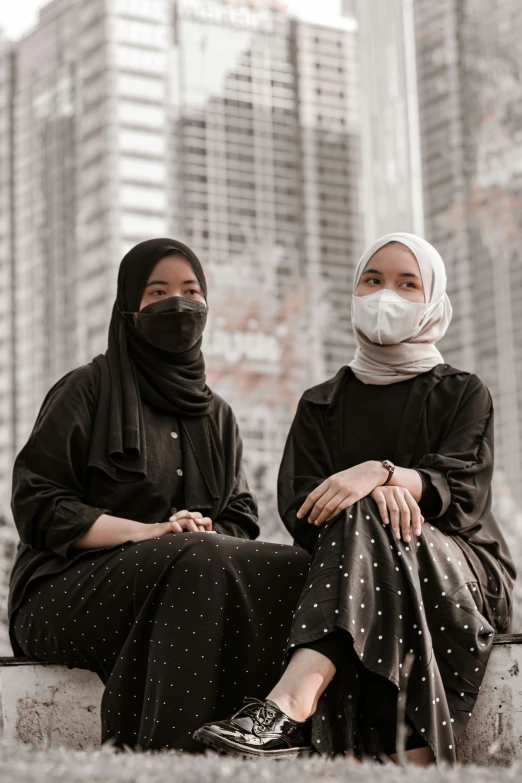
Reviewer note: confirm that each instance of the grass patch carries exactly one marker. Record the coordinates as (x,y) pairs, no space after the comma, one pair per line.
(25,764)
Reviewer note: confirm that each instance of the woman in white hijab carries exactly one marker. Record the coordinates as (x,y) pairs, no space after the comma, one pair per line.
(398,442)
(397,332)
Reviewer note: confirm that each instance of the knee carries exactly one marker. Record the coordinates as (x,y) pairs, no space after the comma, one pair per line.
(368,506)
(361,518)
(366,511)
(204,551)
(370,516)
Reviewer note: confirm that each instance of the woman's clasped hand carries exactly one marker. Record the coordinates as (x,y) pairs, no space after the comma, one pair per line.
(192,521)
(396,505)
(180,522)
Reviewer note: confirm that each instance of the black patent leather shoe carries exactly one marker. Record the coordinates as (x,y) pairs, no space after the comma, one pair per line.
(259,729)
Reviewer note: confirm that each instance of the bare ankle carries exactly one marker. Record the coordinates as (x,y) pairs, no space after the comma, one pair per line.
(290,707)
(421,756)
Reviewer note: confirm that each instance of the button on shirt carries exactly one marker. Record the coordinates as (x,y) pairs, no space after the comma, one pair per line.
(164,467)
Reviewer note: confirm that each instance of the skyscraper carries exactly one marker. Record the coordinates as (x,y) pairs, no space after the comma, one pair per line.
(233,128)
(469,65)
(7,397)
(47,271)
(392,186)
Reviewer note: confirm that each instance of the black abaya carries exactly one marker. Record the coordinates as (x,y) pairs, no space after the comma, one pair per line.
(178,627)
(444,595)
(365,436)
(57,496)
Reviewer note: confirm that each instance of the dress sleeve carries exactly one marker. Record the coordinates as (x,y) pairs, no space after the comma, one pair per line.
(240,514)
(430,503)
(305,464)
(49,471)
(462,470)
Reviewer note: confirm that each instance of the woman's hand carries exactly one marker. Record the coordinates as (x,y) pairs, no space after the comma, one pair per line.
(192,521)
(340,491)
(398,507)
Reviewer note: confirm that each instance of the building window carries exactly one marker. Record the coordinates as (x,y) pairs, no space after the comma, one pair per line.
(147,143)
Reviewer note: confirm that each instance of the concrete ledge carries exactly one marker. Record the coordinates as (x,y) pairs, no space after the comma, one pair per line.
(49,704)
(494,731)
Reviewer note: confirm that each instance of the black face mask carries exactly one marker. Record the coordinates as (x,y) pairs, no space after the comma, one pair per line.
(175,323)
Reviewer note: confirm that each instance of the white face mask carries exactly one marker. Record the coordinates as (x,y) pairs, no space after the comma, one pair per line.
(386,318)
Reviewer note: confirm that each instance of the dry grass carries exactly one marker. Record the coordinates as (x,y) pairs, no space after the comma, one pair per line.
(25,764)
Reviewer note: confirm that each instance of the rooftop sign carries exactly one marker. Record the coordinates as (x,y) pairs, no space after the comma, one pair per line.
(256,15)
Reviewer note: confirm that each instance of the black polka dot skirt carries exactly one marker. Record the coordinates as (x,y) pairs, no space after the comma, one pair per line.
(393,598)
(179,628)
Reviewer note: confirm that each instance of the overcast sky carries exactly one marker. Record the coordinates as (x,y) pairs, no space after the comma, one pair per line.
(17,16)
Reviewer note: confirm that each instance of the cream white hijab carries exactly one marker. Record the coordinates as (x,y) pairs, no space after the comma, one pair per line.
(384,364)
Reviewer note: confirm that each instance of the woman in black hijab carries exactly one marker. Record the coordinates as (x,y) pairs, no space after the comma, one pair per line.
(135,519)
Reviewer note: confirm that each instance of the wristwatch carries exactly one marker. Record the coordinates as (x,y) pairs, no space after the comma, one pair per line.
(390,467)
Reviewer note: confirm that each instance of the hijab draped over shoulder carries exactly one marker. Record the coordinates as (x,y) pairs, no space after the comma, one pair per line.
(133,369)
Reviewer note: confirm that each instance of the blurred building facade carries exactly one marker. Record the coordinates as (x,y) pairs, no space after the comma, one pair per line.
(7,420)
(441,125)
(232,128)
(392,182)
(469,71)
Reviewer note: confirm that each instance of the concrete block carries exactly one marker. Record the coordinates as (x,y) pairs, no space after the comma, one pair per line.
(494,731)
(50,705)
(47,704)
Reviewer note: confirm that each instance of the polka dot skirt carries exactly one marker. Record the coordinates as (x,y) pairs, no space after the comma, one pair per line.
(394,598)
(179,628)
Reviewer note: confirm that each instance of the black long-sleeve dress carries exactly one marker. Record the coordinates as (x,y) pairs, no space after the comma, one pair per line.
(178,627)
(443,595)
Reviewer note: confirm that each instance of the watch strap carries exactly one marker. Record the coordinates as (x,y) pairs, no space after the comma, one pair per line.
(391,468)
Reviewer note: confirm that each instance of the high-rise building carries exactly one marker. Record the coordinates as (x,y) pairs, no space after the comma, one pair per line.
(232,127)
(349,8)
(327,94)
(391,184)
(7,396)
(46,264)
(469,65)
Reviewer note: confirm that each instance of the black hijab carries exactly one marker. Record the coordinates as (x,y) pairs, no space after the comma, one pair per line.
(133,369)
